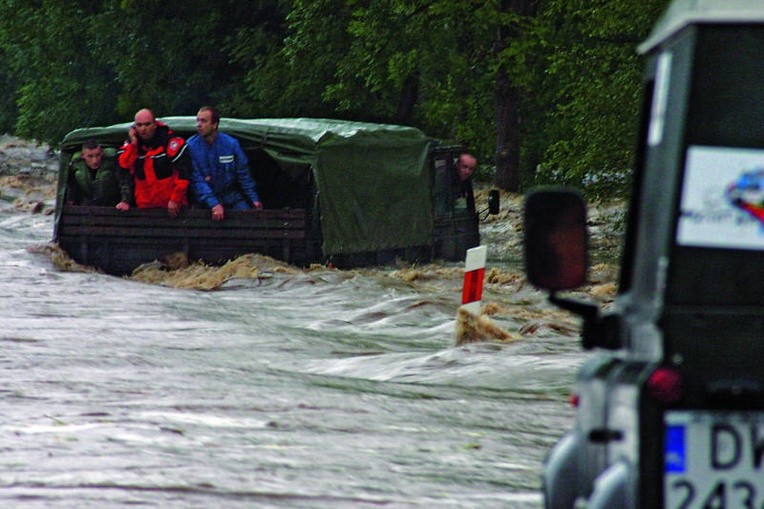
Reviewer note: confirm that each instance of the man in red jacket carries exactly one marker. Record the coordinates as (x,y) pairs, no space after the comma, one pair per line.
(156,161)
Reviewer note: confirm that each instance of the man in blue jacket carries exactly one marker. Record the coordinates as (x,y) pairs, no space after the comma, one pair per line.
(221,178)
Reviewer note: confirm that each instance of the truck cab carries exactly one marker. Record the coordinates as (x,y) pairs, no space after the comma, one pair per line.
(670,406)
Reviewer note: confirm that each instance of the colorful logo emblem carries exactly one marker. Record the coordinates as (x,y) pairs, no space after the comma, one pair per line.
(747,193)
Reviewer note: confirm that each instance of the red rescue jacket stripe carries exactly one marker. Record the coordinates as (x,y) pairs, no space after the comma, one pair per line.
(128,155)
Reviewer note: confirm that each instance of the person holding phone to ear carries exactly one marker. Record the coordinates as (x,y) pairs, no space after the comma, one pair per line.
(157,164)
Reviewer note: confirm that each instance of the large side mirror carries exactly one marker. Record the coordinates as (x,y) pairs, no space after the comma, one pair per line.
(556,239)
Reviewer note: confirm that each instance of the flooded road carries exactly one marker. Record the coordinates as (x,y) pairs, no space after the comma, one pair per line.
(310,389)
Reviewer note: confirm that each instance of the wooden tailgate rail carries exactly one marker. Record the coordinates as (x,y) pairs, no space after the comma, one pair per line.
(95,235)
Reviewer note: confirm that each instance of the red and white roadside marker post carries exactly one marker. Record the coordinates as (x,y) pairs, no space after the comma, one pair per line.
(474,273)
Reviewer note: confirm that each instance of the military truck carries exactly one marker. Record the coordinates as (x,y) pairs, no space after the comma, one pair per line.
(670,406)
(334,191)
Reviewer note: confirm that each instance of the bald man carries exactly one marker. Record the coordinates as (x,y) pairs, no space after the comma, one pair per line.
(465,166)
(155,160)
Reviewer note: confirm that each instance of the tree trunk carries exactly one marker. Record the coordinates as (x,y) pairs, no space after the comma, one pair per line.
(507,99)
(408,98)
(507,134)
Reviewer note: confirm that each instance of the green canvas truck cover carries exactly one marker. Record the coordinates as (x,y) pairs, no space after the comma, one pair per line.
(373,182)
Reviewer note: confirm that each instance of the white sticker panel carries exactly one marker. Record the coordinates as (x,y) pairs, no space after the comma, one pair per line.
(723,198)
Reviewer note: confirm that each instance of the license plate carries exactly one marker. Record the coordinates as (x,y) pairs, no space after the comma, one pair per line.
(714,460)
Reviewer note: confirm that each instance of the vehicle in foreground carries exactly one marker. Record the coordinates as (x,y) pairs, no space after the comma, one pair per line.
(670,408)
(340,192)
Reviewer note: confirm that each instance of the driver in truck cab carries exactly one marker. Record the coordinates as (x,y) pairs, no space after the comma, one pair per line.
(465,166)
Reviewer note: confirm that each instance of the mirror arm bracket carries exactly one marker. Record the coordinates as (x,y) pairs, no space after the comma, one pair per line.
(598,330)
(584,309)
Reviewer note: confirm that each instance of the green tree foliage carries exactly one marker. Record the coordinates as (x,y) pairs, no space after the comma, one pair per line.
(424,63)
(172,55)
(553,84)
(287,69)
(591,79)
(76,64)
(58,81)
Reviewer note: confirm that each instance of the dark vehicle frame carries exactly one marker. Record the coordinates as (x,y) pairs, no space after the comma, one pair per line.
(670,406)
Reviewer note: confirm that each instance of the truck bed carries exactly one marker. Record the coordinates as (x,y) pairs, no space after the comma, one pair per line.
(117,242)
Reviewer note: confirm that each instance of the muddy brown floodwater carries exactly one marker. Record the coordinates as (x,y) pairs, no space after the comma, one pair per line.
(258,384)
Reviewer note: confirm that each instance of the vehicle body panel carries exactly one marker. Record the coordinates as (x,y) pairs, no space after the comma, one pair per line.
(688,320)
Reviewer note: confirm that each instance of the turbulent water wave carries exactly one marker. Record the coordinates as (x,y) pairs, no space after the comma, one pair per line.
(257,384)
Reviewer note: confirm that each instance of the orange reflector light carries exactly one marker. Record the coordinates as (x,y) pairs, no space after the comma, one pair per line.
(665,385)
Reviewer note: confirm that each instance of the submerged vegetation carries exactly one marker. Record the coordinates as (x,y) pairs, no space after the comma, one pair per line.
(542,91)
